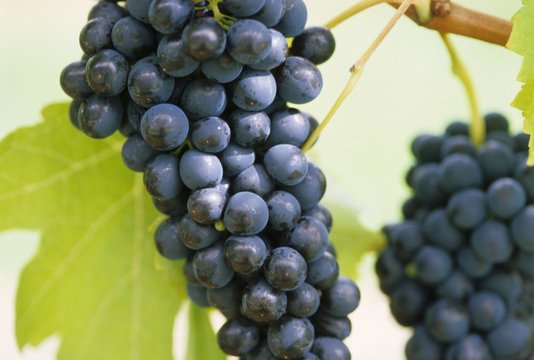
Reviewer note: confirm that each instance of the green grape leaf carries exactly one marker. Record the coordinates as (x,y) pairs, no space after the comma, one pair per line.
(199,323)
(522,42)
(96,281)
(351,240)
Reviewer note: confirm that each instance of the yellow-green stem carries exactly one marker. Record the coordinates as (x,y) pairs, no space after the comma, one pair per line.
(353,10)
(356,71)
(478,127)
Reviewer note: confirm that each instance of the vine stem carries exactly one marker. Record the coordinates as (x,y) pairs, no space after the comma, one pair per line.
(478,127)
(350,12)
(356,72)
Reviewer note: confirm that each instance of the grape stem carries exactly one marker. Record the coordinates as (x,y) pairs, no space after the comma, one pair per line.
(445,16)
(478,127)
(356,72)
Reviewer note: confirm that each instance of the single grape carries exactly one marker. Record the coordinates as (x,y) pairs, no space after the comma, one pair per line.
(447,320)
(175,206)
(161,177)
(286,164)
(170,16)
(262,303)
(203,98)
(235,159)
(200,170)
(197,294)
(316,44)
(139,9)
(137,153)
(99,117)
(284,211)
(458,144)
(223,69)
(321,213)
(486,310)
(408,302)
(249,41)
(133,38)
(456,287)
(491,242)
(288,126)
(245,254)
(206,205)
(309,237)
(457,128)
(326,325)
(422,347)
(341,299)
(204,39)
(246,214)
(106,73)
(467,209)
(238,337)
(427,184)
(148,85)
(508,284)
(277,54)
(285,269)
(271,13)
(311,189)
(509,340)
(254,179)
(96,36)
(406,240)
(505,198)
(495,122)
(458,172)
(323,273)
(426,148)
(303,301)
(331,349)
(472,266)
(210,267)
(496,160)
(290,337)
(173,57)
(244,8)
(294,19)
(249,129)
(73,80)
(298,80)
(195,235)
(441,232)
(522,229)
(254,90)
(389,270)
(211,134)
(472,347)
(168,241)
(227,299)
(107,10)
(164,127)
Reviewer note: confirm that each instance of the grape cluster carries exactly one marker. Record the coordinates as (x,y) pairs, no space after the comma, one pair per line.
(459,269)
(201,91)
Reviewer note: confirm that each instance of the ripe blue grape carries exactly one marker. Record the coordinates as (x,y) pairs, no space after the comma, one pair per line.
(316,44)
(235,159)
(245,254)
(467,209)
(148,85)
(309,237)
(249,129)
(471,347)
(277,54)
(73,80)
(263,303)
(211,134)
(168,241)
(496,160)
(196,235)
(238,337)
(326,325)
(133,38)
(505,198)
(458,172)
(96,36)
(246,214)
(170,16)
(173,58)
(473,266)
(139,9)
(341,299)
(447,320)
(294,19)
(456,287)
(210,267)
(223,69)
(206,205)
(107,10)
(311,189)
(106,73)
(408,302)
(285,269)
(421,346)
(197,294)
(323,273)
(99,117)
(254,90)
(486,310)
(304,301)
(204,39)
(286,164)
(244,8)
(203,98)
(290,337)
(288,126)
(439,230)
(254,179)
(271,13)
(164,127)
(200,170)
(227,299)
(249,41)
(298,80)
(284,210)
(522,229)
(331,349)
(137,153)
(509,340)
(491,242)
(161,177)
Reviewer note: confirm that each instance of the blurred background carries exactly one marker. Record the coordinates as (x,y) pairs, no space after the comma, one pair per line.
(407,88)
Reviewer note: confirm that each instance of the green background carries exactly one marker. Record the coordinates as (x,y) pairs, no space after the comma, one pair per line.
(406,88)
